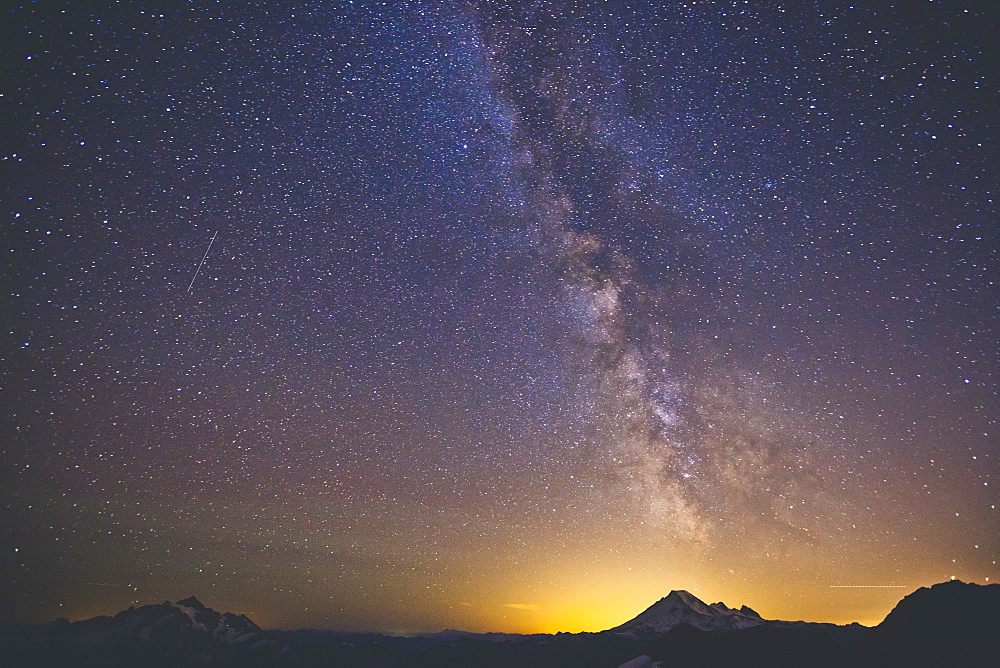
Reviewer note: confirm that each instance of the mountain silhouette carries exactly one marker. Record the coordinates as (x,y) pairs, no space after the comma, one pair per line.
(952,623)
(949,624)
(168,634)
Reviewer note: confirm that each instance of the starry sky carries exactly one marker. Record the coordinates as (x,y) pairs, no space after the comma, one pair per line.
(500,316)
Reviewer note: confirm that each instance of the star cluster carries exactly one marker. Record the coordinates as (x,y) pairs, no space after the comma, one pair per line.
(506,316)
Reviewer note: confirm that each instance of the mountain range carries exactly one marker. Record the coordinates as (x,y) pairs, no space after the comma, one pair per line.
(949,624)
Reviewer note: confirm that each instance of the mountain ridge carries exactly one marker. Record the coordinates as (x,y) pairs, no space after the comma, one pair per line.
(951,623)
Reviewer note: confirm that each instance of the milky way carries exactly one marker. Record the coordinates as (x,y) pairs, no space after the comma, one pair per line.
(498,315)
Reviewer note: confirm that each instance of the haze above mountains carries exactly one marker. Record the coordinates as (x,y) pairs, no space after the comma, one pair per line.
(952,623)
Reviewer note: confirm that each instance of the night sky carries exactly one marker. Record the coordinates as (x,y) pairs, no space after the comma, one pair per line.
(500,316)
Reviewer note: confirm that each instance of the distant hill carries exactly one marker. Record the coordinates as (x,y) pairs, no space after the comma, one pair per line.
(949,624)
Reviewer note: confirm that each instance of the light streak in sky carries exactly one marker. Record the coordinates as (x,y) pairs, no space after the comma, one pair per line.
(203,258)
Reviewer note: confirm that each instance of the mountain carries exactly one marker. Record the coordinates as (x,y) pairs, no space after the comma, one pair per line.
(681,607)
(189,619)
(949,624)
(167,634)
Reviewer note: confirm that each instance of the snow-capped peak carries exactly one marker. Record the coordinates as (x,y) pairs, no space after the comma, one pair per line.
(682,607)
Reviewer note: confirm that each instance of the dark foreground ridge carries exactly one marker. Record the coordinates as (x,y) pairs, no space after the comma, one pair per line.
(949,624)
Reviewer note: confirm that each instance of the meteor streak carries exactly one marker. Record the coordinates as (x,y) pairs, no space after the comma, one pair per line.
(203,258)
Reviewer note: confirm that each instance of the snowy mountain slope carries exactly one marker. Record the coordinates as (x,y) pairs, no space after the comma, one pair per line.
(682,607)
